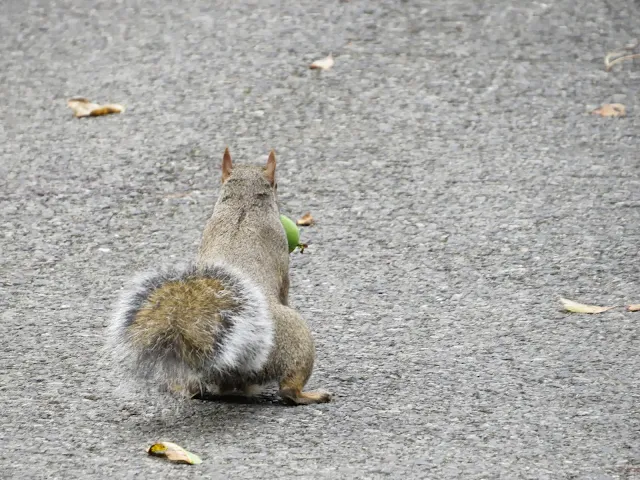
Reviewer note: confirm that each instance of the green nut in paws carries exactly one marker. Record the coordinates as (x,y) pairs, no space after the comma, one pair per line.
(293,234)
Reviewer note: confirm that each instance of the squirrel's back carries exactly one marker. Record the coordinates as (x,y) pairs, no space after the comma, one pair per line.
(189,326)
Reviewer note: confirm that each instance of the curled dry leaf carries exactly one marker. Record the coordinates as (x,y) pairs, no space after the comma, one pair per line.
(621,55)
(82,107)
(324,64)
(609,63)
(611,110)
(634,307)
(306,220)
(575,307)
(174,453)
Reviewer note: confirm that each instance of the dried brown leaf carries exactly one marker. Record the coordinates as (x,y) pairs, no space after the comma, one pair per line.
(575,307)
(634,307)
(174,453)
(611,110)
(621,55)
(324,64)
(83,107)
(608,63)
(306,220)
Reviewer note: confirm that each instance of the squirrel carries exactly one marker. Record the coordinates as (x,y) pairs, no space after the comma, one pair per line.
(222,322)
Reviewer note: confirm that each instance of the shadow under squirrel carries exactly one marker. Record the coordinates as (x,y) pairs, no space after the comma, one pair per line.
(222,323)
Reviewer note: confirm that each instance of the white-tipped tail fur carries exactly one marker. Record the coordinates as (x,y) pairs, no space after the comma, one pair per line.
(176,336)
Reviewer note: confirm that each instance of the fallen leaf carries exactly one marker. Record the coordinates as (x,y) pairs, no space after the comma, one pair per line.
(306,220)
(82,107)
(621,55)
(634,307)
(174,453)
(576,307)
(611,110)
(324,64)
(608,63)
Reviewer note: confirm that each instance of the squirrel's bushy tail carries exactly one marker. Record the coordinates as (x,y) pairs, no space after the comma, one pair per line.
(180,327)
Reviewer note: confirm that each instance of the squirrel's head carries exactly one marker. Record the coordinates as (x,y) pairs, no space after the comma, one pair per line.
(249,181)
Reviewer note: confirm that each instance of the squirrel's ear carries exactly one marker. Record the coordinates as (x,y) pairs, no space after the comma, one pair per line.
(226,165)
(270,169)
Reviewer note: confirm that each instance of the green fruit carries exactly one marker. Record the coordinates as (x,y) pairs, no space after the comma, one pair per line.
(293,234)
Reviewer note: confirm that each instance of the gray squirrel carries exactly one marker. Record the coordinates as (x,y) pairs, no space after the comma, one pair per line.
(222,324)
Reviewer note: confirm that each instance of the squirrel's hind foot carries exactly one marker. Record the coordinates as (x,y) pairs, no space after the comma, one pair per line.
(295,396)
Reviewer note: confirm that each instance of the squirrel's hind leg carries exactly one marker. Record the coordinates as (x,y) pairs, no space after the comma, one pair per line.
(294,357)
(292,394)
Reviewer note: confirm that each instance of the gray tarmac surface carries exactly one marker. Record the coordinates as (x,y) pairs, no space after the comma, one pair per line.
(460,188)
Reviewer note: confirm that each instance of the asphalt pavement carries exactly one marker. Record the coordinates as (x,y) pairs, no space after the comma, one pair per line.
(460,187)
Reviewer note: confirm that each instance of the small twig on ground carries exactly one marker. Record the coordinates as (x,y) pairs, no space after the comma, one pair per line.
(109,220)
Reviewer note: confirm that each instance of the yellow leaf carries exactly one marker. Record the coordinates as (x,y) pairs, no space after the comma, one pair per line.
(174,453)
(82,107)
(324,64)
(306,220)
(634,307)
(611,110)
(576,307)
